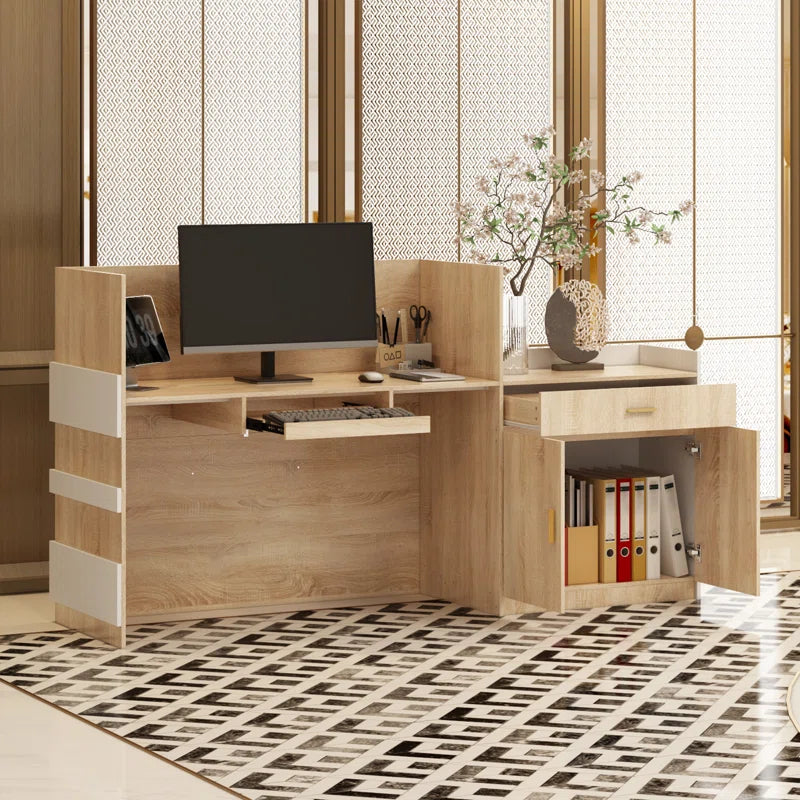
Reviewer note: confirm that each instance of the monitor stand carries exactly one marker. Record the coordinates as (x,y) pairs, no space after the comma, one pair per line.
(268,373)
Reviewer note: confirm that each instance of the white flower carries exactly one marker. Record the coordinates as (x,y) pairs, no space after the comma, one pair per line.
(645,217)
(633,236)
(518,197)
(635,176)
(512,217)
(597,178)
(483,184)
(686,207)
(665,237)
(495,163)
(478,257)
(535,198)
(576,176)
(547,132)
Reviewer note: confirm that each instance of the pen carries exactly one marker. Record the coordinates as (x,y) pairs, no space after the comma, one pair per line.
(396,329)
(384,326)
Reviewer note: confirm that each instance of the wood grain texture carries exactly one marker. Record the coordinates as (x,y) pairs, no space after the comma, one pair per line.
(227,416)
(600,595)
(522,408)
(26,453)
(32,209)
(97,629)
(533,475)
(26,358)
(89,455)
(461,510)
(224,521)
(90,319)
(465,301)
(396,286)
(610,375)
(727,509)
(587,412)
(338,385)
(347,429)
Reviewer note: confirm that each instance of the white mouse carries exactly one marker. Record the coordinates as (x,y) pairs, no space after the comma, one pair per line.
(370,377)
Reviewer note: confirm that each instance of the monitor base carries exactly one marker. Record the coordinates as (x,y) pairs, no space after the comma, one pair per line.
(272,378)
(268,373)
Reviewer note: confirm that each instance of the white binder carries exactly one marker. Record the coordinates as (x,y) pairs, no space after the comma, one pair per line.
(673,546)
(653,527)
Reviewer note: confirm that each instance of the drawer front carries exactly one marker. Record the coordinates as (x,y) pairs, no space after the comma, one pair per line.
(637,409)
(522,408)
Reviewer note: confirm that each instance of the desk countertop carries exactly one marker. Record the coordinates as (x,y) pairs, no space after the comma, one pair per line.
(202,390)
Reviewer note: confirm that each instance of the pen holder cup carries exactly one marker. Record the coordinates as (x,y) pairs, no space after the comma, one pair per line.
(388,357)
(418,352)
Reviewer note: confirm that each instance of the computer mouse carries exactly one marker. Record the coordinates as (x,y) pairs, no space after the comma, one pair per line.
(370,377)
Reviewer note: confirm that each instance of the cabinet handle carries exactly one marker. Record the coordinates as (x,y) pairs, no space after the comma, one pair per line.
(641,410)
(551,525)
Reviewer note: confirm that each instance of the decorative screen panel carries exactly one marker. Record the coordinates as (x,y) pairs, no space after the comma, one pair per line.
(649,128)
(754,365)
(149,138)
(738,163)
(506,91)
(410,127)
(254,111)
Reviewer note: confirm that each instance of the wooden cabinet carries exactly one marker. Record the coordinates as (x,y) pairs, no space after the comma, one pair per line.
(685,430)
(40,229)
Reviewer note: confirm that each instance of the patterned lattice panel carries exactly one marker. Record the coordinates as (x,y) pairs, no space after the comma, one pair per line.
(738,168)
(754,365)
(410,127)
(149,135)
(506,90)
(254,110)
(649,128)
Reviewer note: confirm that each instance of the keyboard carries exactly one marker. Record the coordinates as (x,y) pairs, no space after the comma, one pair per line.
(275,420)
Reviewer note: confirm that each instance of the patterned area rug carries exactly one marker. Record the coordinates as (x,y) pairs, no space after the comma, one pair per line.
(429,701)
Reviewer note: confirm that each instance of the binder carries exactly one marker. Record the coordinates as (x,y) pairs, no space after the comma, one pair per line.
(624,560)
(673,546)
(605,515)
(653,515)
(638,524)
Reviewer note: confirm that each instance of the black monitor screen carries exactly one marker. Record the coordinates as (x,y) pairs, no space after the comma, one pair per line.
(273,287)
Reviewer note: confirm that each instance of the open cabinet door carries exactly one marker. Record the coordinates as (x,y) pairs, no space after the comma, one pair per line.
(533,519)
(726,509)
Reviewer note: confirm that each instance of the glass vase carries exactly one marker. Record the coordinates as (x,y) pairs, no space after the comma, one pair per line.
(515,335)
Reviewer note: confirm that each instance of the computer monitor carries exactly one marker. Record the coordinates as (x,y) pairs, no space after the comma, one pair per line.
(276,287)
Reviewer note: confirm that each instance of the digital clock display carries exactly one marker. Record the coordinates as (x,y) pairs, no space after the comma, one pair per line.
(144,339)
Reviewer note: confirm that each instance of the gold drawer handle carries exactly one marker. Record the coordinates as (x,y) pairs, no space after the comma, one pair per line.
(551,525)
(641,410)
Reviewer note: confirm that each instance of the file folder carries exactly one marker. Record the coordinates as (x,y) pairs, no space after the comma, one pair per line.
(638,524)
(581,555)
(624,554)
(673,546)
(653,514)
(605,515)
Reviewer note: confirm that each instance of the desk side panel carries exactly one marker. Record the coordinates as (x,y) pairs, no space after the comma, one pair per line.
(461,510)
(90,333)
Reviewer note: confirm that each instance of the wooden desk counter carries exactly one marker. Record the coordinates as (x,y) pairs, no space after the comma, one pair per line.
(325,384)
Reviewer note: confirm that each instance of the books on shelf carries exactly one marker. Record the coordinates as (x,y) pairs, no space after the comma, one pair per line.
(634,522)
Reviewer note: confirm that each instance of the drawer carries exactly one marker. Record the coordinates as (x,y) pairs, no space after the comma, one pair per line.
(640,409)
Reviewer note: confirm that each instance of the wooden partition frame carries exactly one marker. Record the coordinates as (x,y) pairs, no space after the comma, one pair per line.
(211,522)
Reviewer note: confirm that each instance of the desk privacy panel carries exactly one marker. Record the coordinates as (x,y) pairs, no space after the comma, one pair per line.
(650,65)
(442,92)
(200,109)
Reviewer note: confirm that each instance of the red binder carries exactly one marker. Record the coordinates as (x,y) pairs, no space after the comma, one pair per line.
(624,540)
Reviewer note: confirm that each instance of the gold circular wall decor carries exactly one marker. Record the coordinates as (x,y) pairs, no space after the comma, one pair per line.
(694,337)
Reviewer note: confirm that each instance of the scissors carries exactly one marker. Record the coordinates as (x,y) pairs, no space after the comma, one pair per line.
(418,315)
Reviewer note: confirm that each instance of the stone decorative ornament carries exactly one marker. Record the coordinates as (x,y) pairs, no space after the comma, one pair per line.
(576,321)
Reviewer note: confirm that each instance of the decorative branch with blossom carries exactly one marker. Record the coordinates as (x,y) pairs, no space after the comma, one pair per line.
(536,208)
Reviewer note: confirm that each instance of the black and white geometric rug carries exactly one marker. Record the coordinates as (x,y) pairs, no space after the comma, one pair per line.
(430,701)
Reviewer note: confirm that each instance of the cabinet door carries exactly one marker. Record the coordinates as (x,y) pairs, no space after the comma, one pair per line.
(533,519)
(727,509)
